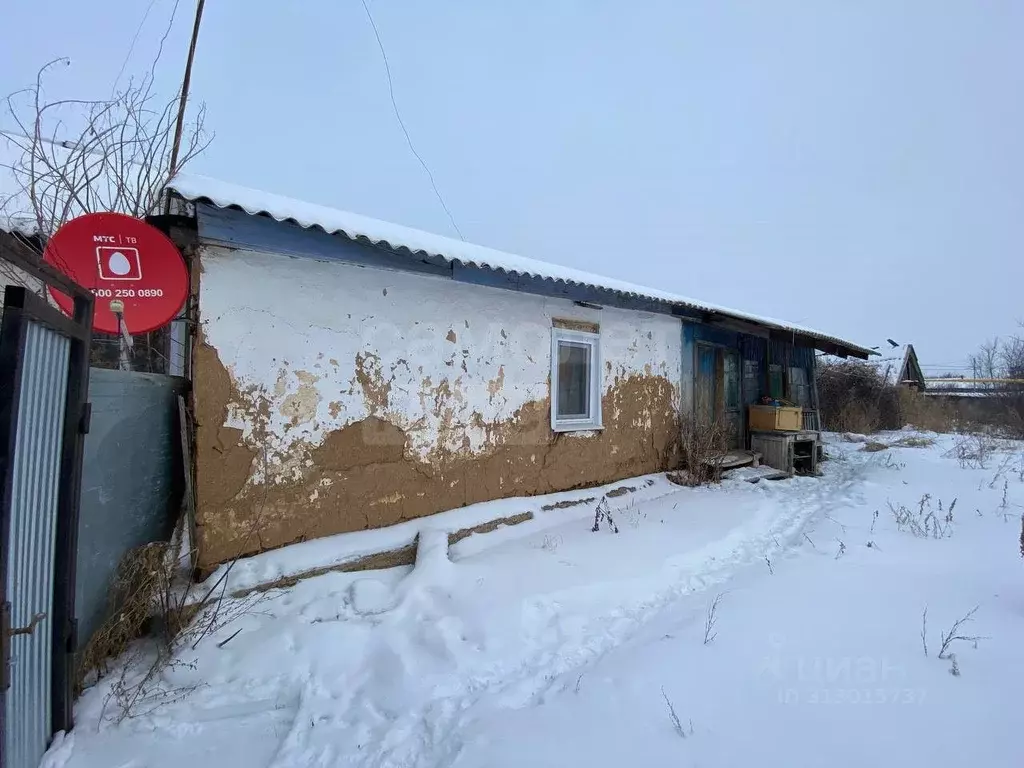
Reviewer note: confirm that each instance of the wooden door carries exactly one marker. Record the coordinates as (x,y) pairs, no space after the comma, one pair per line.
(706,388)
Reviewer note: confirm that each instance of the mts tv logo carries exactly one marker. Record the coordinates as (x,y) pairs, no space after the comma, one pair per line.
(118,263)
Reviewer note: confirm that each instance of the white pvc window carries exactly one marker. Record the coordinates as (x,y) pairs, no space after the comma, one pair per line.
(575,380)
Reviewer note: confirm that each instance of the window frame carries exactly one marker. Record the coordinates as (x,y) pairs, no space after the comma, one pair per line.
(804,387)
(593,340)
(729,355)
(782,381)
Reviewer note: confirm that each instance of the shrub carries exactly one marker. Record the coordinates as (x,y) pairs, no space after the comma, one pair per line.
(933,414)
(855,397)
(972,451)
(926,521)
(915,442)
(143,580)
(703,443)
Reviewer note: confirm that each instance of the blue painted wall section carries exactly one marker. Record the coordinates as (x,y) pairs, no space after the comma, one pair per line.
(755,349)
(688,367)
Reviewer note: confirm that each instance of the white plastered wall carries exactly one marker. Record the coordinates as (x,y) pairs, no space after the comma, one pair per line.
(327,344)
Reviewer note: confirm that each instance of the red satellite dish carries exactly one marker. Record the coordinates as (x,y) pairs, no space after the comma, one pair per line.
(120,259)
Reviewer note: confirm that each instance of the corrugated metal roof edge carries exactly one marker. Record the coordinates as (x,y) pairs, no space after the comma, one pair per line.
(640,293)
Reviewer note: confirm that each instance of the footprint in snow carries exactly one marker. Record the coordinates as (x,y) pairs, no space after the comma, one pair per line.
(370,597)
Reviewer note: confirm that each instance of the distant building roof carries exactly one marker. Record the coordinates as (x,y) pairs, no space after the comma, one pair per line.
(354,226)
(899,364)
(963,387)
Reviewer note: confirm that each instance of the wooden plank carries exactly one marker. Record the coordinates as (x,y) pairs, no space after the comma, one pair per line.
(775,448)
(730,324)
(575,325)
(21,255)
(188,500)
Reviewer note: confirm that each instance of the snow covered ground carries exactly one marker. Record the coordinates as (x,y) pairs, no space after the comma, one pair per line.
(546,644)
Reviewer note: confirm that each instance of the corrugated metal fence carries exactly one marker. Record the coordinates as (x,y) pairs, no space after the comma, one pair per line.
(43,416)
(32,528)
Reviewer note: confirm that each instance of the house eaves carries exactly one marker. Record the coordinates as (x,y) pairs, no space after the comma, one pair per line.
(399,239)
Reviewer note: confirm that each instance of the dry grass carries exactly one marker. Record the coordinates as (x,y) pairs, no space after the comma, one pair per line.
(603,515)
(141,686)
(712,619)
(954,635)
(152,599)
(703,442)
(673,717)
(141,578)
(926,520)
(858,417)
(874,447)
(915,442)
(973,450)
(928,413)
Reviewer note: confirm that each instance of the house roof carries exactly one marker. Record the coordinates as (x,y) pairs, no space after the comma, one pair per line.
(961,386)
(900,364)
(196,188)
(18,225)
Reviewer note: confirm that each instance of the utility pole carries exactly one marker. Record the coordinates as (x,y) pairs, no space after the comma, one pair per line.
(178,333)
(185,83)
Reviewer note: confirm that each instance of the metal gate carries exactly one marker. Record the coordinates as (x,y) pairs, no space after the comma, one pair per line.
(43,418)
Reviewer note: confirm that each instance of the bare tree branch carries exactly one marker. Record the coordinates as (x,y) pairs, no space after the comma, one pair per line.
(118,159)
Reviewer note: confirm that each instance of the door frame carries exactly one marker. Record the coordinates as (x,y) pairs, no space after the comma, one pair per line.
(737,433)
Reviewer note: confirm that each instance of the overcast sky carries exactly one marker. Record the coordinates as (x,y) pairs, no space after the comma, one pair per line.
(852,166)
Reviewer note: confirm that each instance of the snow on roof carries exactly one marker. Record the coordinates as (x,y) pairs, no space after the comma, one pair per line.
(944,391)
(15,206)
(956,383)
(196,188)
(18,225)
(892,360)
